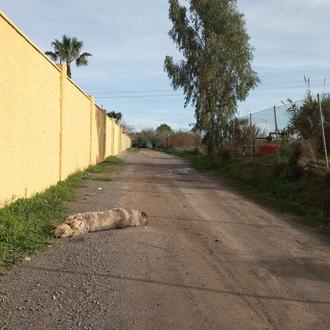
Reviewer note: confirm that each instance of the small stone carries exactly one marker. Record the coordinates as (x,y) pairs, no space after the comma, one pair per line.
(27,259)
(54,297)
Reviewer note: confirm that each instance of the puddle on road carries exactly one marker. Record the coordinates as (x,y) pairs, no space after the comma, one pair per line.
(182,171)
(185,170)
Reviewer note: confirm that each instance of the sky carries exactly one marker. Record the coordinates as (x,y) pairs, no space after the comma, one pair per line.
(129,41)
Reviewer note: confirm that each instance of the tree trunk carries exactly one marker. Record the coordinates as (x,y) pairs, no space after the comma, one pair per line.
(213,147)
(68,70)
(211,143)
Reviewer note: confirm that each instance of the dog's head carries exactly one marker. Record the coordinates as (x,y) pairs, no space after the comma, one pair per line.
(73,217)
(76,222)
(143,218)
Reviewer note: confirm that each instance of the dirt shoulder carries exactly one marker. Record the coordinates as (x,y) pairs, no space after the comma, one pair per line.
(210,259)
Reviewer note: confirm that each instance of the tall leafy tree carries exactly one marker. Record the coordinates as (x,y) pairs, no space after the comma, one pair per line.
(162,132)
(68,50)
(116,115)
(216,70)
(164,129)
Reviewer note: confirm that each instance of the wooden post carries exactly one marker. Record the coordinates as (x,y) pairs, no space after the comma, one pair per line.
(276,136)
(323,132)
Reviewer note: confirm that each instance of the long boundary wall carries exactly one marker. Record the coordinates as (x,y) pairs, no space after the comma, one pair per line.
(49,128)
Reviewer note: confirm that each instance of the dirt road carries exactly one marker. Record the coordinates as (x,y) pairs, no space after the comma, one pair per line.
(210,259)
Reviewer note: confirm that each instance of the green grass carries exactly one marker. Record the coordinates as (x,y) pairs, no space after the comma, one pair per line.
(25,224)
(96,168)
(308,197)
(133,149)
(106,165)
(113,160)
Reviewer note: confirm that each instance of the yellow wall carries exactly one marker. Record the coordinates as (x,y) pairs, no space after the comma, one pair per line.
(76,129)
(49,128)
(109,127)
(99,119)
(116,140)
(113,140)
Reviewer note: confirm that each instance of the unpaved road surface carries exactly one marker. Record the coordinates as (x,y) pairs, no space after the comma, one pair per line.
(210,259)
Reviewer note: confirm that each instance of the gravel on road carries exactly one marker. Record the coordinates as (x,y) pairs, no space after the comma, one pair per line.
(209,259)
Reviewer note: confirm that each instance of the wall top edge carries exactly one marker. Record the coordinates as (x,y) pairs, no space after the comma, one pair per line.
(112,120)
(76,85)
(19,31)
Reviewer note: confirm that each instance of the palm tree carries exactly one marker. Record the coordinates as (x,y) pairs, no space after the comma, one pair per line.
(68,50)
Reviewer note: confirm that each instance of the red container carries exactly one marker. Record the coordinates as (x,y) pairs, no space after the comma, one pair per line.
(266,149)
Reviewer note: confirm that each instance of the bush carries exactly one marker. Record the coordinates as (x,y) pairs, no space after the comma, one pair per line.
(305,120)
(226,155)
(183,140)
(293,171)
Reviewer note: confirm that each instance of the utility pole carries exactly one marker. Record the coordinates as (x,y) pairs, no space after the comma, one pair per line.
(323,132)
(276,136)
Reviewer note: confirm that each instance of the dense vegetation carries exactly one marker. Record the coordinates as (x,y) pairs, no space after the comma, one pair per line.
(117,116)
(305,121)
(216,70)
(150,138)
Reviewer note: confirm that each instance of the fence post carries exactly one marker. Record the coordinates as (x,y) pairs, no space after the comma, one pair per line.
(323,132)
(251,137)
(92,110)
(63,76)
(276,135)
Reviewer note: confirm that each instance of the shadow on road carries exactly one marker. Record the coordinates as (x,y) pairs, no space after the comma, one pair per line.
(176,285)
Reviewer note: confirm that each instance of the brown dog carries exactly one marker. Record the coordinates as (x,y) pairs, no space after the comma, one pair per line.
(82,223)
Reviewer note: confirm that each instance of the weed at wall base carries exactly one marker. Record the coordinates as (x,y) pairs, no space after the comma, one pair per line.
(25,224)
(100,168)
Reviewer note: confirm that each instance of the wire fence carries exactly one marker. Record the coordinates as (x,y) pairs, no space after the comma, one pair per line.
(264,137)
(265,119)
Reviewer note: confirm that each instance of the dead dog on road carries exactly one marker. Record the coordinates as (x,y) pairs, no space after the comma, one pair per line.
(82,223)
